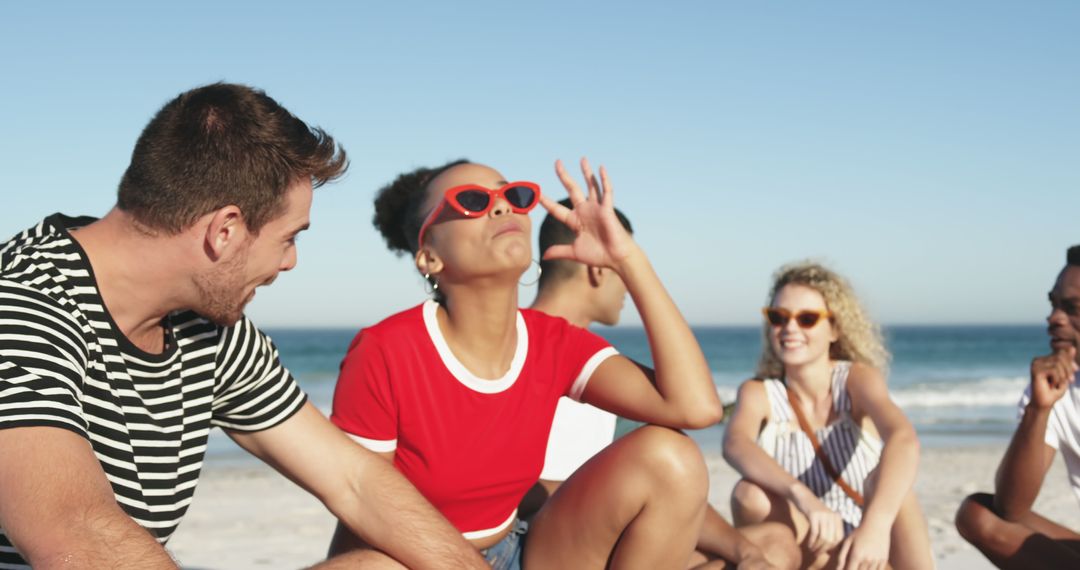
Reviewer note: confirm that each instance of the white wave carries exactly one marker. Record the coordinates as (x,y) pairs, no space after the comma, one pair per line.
(727,395)
(963,394)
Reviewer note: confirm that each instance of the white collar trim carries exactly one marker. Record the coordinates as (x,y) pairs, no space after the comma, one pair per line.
(458,370)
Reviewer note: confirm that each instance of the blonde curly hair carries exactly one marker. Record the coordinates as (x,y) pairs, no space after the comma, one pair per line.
(858,338)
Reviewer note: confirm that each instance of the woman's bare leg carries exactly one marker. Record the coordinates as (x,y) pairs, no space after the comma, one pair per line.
(910,537)
(637,504)
(756,510)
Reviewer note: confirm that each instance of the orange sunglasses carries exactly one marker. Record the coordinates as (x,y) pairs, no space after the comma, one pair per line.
(805,318)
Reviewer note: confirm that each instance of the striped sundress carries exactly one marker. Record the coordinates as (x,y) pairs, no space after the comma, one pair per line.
(854,453)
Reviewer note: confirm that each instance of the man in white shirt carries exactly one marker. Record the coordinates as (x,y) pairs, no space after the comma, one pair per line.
(583,295)
(1002,525)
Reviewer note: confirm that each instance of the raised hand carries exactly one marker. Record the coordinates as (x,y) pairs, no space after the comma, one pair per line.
(601,240)
(1051,376)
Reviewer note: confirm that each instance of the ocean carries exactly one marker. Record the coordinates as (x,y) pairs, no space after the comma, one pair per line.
(959,385)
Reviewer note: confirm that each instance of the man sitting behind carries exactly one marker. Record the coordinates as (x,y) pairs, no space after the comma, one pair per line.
(583,295)
(1002,525)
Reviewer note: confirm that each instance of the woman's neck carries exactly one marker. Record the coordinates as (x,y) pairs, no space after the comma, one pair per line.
(480,327)
(811,381)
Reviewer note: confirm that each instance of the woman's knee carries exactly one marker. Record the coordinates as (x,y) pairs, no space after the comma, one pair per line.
(749,502)
(671,459)
(778,543)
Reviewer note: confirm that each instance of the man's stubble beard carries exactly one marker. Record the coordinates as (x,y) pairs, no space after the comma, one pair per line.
(221,291)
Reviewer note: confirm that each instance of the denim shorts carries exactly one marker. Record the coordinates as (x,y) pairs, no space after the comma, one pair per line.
(507,553)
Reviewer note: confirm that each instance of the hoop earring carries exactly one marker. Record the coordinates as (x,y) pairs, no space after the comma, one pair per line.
(431,286)
(536,279)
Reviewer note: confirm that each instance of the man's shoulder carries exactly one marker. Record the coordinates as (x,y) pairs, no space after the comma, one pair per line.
(45,236)
(45,256)
(27,236)
(40,275)
(1064,426)
(1069,407)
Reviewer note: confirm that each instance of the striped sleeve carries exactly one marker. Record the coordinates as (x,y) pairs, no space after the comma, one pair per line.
(253,391)
(43,361)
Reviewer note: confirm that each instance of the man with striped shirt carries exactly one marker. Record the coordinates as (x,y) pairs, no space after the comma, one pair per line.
(123,342)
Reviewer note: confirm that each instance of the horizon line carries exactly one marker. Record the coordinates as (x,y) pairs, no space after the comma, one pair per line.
(699,325)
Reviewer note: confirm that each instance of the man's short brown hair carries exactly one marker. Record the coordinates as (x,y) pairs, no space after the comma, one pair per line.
(554,232)
(219,145)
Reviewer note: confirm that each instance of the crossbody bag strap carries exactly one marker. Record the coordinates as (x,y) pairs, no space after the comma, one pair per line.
(829,469)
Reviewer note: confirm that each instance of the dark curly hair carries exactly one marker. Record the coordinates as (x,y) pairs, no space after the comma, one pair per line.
(1072,256)
(397,207)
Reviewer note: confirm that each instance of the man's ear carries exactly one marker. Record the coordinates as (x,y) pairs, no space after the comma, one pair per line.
(596,275)
(225,231)
(427,263)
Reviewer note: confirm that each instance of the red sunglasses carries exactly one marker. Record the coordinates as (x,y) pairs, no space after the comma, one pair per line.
(806,318)
(473,200)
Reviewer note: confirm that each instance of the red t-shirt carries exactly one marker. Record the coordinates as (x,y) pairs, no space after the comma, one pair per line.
(472,446)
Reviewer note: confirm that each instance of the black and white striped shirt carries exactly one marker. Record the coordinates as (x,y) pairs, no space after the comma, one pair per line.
(65,364)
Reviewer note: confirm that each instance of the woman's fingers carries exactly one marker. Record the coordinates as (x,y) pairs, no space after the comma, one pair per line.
(815,532)
(572,189)
(605,184)
(598,190)
(830,532)
(842,559)
(590,181)
(823,534)
(556,209)
(562,251)
(835,534)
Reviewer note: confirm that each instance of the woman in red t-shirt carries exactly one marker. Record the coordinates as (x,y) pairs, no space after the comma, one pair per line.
(460,391)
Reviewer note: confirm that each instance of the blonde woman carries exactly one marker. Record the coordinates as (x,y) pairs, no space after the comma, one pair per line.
(819,444)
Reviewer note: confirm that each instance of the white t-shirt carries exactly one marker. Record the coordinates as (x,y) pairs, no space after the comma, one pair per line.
(578,432)
(1063,430)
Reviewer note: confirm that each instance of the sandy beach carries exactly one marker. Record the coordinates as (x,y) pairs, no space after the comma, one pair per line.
(248,517)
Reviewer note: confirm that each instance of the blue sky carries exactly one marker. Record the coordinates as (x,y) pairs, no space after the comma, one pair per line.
(928,151)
